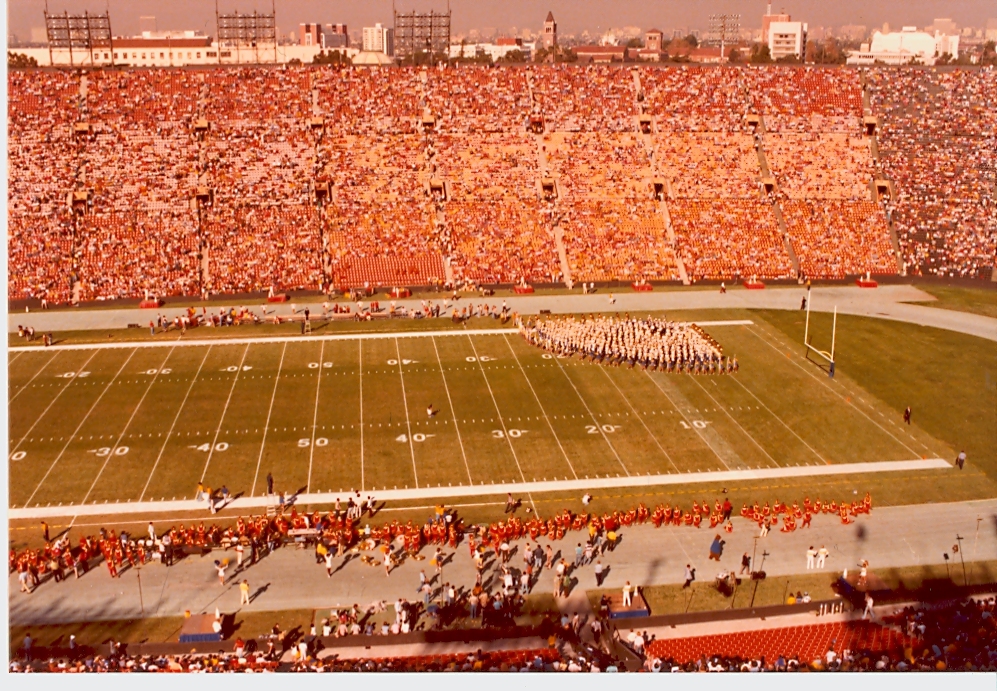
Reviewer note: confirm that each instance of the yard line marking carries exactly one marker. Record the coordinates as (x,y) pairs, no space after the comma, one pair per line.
(52,402)
(381,335)
(363,487)
(408,422)
(79,426)
(505,431)
(727,413)
(452,412)
(844,398)
(625,398)
(694,428)
(500,489)
(311,447)
(542,410)
(42,368)
(792,431)
(172,426)
(266,427)
(235,380)
(14,359)
(121,436)
(592,415)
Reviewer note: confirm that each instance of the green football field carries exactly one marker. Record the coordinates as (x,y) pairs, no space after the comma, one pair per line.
(119,424)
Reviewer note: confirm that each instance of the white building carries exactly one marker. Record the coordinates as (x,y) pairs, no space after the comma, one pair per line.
(496,51)
(379,39)
(787,39)
(905,46)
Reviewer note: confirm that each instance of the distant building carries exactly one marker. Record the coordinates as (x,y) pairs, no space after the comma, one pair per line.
(601,54)
(330,36)
(707,55)
(787,39)
(379,39)
(497,50)
(653,40)
(905,46)
(990,34)
(768,18)
(550,31)
(943,26)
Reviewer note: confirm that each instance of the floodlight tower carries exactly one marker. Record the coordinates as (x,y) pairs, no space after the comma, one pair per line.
(724,27)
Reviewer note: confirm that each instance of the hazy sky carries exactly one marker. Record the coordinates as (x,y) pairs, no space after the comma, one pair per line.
(572,15)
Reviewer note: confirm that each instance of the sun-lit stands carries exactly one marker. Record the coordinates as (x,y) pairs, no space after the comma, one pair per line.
(487,166)
(255,248)
(369,167)
(937,144)
(590,99)
(696,99)
(368,101)
(722,238)
(257,94)
(807,99)
(39,248)
(709,165)
(142,99)
(837,238)
(603,166)
(805,643)
(384,243)
(125,254)
(479,99)
(260,163)
(820,166)
(500,242)
(618,241)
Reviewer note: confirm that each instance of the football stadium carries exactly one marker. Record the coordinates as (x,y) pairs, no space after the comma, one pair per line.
(563,364)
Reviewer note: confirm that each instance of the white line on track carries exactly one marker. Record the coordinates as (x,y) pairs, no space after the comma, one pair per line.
(542,410)
(363,483)
(408,422)
(266,427)
(453,413)
(720,476)
(781,421)
(639,417)
(52,402)
(77,430)
(505,430)
(40,370)
(598,426)
(117,442)
(727,413)
(311,447)
(173,426)
(693,427)
(218,430)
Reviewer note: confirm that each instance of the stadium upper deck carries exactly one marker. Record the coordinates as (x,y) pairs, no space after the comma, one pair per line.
(313,176)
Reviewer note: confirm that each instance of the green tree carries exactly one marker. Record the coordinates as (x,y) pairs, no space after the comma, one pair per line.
(692,40)
(760,54)
(635,43)
(20,61)
(735,55)
(513,56)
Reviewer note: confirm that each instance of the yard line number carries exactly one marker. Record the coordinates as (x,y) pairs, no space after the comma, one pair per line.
(514,433)
(698,424)
(608,429)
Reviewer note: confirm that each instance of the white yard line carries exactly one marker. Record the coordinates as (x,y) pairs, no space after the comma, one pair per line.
(408,422)
(117,442)
(266,427)
(79,426)
(598,426)
(542,410)
(691,426)
(671,479)
(384,335)
(221,420)
(453,414)
(52,402)
(727,413)
(173,426)
(311,447)
(505,430)
(40,370)
(639,418)
(783,423)
(363,483)
(14,359)
(842,397)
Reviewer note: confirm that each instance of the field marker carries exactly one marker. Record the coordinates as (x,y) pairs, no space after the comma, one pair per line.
(52,402)
(408,422)
(85,417)
(542,409)
(452,412)
(218,430)
(311,447)
(749,436)
(40,370)
(625,398)
(698,431)
(172,426)
(117,441)
(266,426)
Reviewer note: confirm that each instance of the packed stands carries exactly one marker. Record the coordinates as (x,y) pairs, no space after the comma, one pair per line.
(595,98)
(820,166)
(838,238)
(603,166)
(696,99)
(471,100)
(709,165)
(806,99)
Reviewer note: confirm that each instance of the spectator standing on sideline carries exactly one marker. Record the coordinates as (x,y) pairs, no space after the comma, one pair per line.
(690,575)
(960,460)
(907,415)
(811,555)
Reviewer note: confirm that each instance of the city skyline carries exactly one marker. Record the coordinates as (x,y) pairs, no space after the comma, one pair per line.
(594,16)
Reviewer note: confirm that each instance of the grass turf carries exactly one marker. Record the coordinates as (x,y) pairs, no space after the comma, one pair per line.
(975,300)
(506,413)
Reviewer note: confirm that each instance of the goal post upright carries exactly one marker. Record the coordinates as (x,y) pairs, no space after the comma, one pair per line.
(829,356)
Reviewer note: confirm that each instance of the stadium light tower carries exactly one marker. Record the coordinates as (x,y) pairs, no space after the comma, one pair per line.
(724,27)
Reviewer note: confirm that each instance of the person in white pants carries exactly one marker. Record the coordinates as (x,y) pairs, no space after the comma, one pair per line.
(821,556)
(626,595)
(811,555)
(867,612)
